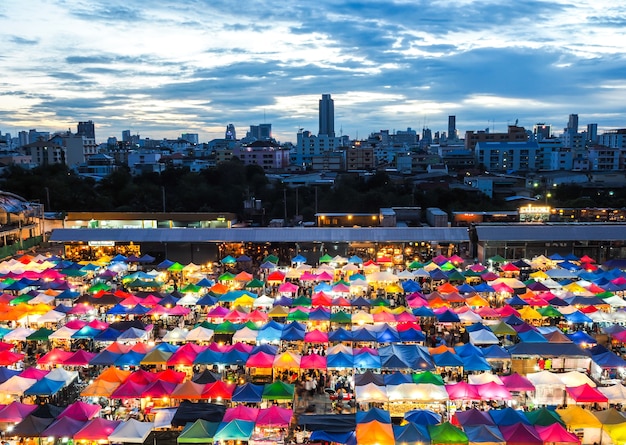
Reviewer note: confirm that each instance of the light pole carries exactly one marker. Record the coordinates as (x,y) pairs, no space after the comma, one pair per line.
(48,199)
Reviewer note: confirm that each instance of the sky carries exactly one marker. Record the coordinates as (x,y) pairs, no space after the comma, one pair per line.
(161,68)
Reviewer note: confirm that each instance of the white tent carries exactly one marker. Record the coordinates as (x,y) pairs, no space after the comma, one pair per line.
(199,334)
(422,392)
(163,417)
(615,393)
(549,389)
(245,335)
(131,431)
(483,337)
(18,334)
(132,334)
(263,301)
(575,378)
(371,393)
(51,317)
(485,377)
(15,386)
(62,375)
(470,317)
(63,333)
(176,335)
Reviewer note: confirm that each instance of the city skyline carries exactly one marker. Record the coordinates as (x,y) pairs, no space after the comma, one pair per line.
(165,68)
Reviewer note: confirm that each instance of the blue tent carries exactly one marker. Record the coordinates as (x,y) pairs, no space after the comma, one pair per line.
(292,333)
(298,259)
(447,359)
(234,430)
(340,360)
(86,332)
(483,287)
(319,314)
(360,302)
(483,433)
(118,309)
(6,373)
(422,417)
(532,337)
(423,311)
(475,362)
(104,358)
(109,334)
(283,300)
(577,317)
(411,286)
(579,337)
(348,438)
(45,387)
(516,301)
(397,378)
(468,349)
(131,358)
(363,333)
(411,334)
(234,357)
(323,287)
(366,360)
(508,416)
(447,316)
(387,335)
(265,347)
(248,393)
(340,334)
(208,356)
(378,414)
(609,360)
(206,300)
(400,356)
(495,352)
(411,434)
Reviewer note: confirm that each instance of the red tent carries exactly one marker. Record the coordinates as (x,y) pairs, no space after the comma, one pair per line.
(54,357)
(260,360)
(171,376)
(142,377)
(219,390)
(586,394)
(129,390)
(80,358)
(96,430)
(185,355)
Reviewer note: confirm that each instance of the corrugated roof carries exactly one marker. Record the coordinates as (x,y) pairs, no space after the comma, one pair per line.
(266,234)
(549,232)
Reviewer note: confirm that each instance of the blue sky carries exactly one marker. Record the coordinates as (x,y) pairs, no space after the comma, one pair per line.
(161,68)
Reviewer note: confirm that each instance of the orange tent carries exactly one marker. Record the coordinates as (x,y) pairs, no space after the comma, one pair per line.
(447,288)
(374,433)
(100,388)
(113,375)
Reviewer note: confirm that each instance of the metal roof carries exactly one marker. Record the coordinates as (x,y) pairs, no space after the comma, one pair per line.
(551,232)
(266,234)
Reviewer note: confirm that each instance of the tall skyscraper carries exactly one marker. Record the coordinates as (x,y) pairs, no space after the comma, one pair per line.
(87,129)
(452,128)
(230,134)
(327,116)
(592,132)
(572,124)
(126,135)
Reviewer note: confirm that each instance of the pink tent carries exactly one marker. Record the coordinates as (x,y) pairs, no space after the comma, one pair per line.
(185,355)
(556,433)
(79,358)
(98,324)
(80,411)
(274,416)
(520,434)
(257,316)
(142,377)
(313,361)
(129,390)
(34,373)
(260,360)
(586,394)
(158,389)
(325,276)
(118,348)
(516,382)
(288,287)
(241,347)
(97,429)
(76,324)
(236,316)
(308,276)
(493,391)
(241,412)
(15,412)
(218,312)
(462,391)
(316,336)
(169,375)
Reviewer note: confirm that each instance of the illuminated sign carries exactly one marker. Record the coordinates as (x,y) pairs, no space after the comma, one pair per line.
(532,209)
(102,243)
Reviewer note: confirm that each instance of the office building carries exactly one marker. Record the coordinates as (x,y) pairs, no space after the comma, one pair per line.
(87,129)
(327,116)
(230,134)
(452,128)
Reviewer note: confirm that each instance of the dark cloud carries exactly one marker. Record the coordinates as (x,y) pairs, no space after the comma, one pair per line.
(23,41)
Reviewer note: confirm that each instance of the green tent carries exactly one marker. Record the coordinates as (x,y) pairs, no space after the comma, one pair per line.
(543,417)
(40,334)
(271,259)
(73,272)
(136,284)
(176,267)
(380,302)
(226,327)
(447,266)
(503,329)
(278,391)
(428,377)
(226,276)
(605,294)
(302,301)
(469,273)
(24,298)
(456,276)
(326,258)
(98,287)
(549,311)
(255,284)
(497,259)
(415,265)
(199,431)
(446,433)
(191,288)
(341,317)
(298,315)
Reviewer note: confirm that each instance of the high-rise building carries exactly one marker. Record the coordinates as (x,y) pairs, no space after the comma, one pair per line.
(126,136)
(452,128)
(190,137)
(230,134)
(592,132)
(542,131)
(87,129)
(261,132)
(572,123)
(327,116)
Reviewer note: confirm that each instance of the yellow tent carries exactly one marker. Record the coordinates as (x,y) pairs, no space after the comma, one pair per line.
(539,275)
(576,417)
(528,313)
